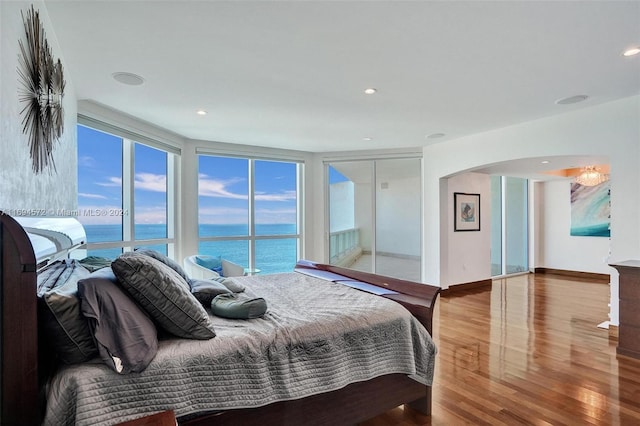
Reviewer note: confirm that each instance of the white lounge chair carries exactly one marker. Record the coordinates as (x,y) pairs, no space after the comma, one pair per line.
(199,272)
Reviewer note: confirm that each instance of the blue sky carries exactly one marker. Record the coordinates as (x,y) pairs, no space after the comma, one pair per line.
(335,176)
(223,185)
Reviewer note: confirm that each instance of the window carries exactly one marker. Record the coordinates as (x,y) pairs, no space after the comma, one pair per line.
(248,211)
(124,193)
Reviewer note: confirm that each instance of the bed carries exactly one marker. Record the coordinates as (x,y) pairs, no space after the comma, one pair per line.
(358,392)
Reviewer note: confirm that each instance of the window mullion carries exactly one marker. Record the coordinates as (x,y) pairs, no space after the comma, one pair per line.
(171,203)
(252,223)
(299,209)
(128,182)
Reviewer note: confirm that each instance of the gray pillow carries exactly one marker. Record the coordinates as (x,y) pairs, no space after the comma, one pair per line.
(126,337)
(206,290)
(236,306)
(164,295)
(166,260)
(231,284)
(65,329)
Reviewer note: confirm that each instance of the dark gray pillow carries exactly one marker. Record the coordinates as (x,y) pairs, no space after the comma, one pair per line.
(237,306)
(65,329)
(164,294)
(166,260)
(206,290)
(126,337)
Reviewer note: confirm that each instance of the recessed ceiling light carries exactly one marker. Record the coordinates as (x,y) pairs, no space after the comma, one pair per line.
(201,112)
(370,91)
(632,51)
(366,139)
(128,78)
(545,161)
(572,100)
(435,135)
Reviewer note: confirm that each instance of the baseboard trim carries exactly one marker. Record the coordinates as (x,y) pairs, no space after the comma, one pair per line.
(457,288)
(589,276)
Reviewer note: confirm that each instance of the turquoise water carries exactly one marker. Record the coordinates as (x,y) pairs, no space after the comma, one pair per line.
(272,255)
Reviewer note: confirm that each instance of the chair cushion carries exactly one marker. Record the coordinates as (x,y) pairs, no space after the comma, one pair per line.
(126,337)
(65,329)
(238,307)
(164,295)
(210,262)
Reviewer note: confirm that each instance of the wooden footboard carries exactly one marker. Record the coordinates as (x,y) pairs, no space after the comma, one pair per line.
(347,406)
(22,376)
(358,401)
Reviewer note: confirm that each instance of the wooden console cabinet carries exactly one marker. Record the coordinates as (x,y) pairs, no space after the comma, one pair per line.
(629,288)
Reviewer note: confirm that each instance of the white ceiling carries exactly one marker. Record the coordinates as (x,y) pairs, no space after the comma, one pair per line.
(291,74)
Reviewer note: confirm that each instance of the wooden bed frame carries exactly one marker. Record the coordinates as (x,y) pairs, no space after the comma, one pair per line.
(22,379)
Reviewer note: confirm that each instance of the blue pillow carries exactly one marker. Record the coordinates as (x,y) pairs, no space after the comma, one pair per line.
(210,262)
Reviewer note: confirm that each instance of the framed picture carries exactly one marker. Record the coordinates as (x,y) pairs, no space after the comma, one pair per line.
(466,212)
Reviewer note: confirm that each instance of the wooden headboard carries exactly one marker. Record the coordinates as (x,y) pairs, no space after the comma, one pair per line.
(19,340)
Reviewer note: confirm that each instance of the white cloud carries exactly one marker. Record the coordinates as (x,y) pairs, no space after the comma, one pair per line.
(216,188)
(112,181)
(86,161)
(95,196)
(208,187)
(151,182)
(276,215)
(151,215)
(283,196)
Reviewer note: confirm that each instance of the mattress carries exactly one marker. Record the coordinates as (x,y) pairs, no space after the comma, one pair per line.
(317,336)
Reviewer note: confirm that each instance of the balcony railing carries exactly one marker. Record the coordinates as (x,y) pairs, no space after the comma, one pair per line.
(342,243)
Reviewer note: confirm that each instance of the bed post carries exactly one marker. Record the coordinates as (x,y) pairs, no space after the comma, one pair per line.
(18,328)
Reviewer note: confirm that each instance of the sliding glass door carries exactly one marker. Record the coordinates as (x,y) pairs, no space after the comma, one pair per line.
(351,214)
(516,226)
(509,225)
(374,216)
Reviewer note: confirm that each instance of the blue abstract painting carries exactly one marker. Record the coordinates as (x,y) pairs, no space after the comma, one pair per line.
(591,210)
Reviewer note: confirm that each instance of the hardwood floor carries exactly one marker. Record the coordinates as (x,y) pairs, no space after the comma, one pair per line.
(527,351)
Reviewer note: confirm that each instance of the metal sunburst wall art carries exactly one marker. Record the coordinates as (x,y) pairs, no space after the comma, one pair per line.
(41,90)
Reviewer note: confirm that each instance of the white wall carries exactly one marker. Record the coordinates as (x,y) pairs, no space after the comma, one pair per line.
(559,250)
(611,129)
(398,217)
(363,215)
(467,255)
(20,188)
(341,206)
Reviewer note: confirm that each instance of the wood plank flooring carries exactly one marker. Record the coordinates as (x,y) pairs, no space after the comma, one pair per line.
(527,352)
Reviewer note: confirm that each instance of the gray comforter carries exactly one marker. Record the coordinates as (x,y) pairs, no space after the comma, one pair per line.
(317,336)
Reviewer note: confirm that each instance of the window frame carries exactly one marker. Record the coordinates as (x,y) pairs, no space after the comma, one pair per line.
(129,141)
(251,238)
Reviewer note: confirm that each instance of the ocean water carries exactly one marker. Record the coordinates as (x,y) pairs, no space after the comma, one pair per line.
(272,255)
